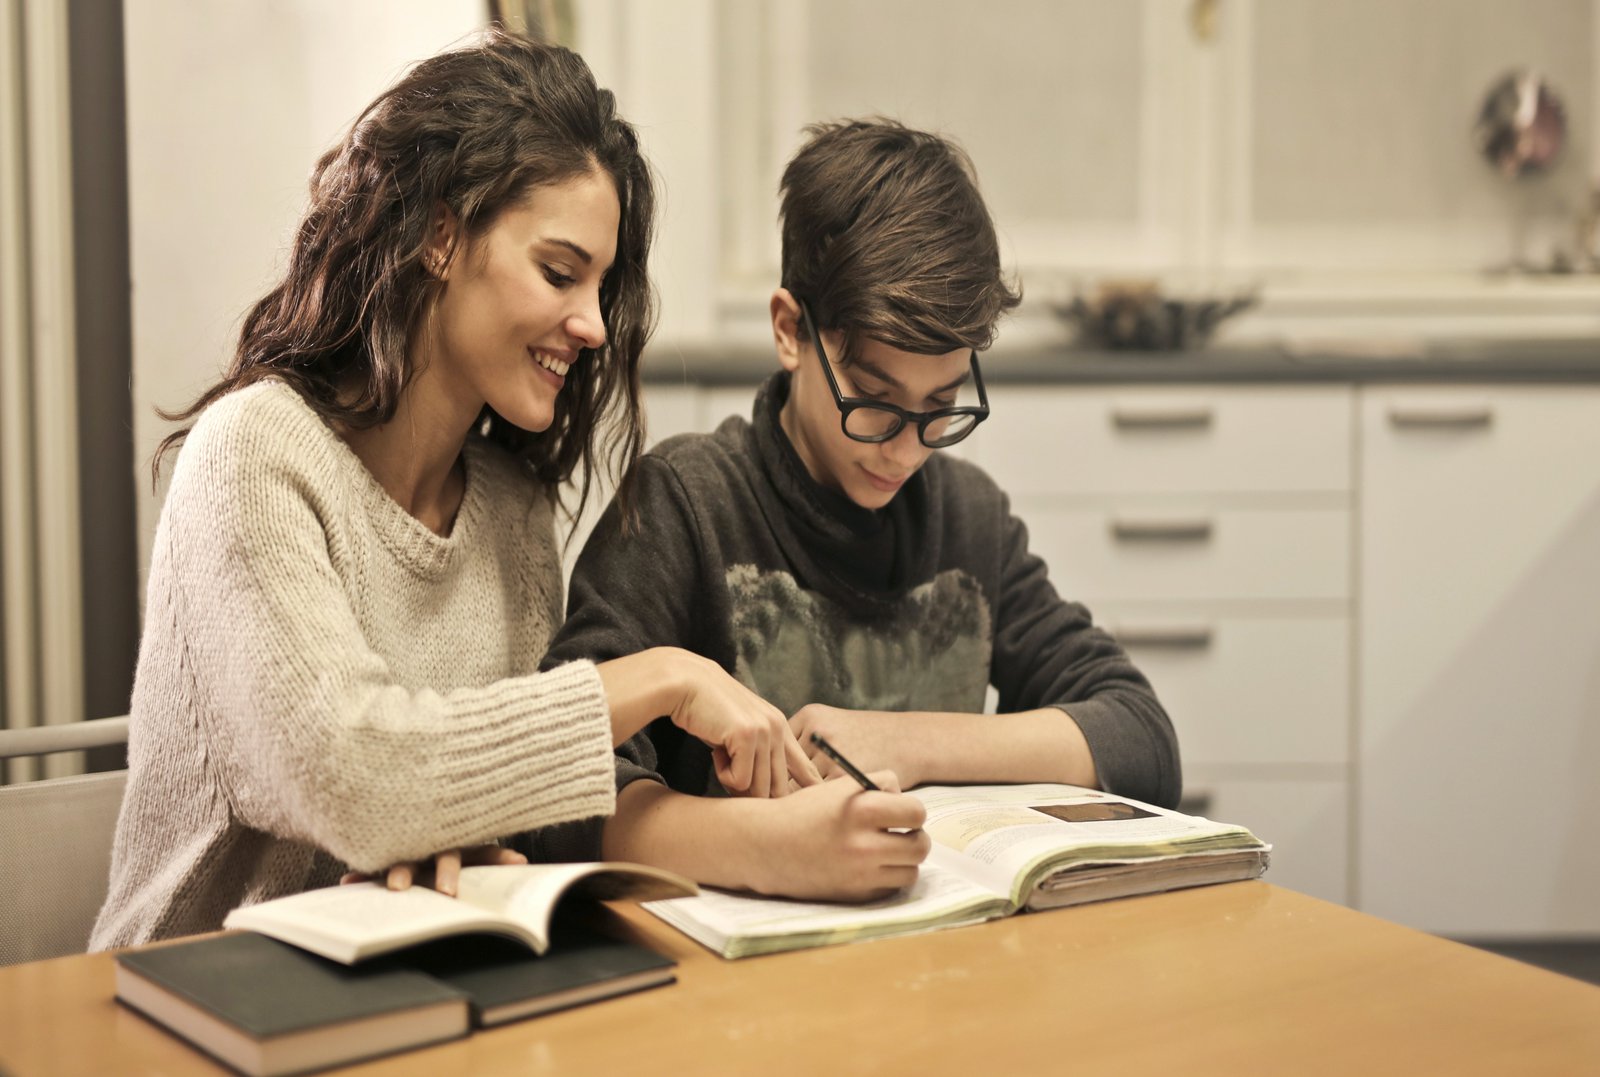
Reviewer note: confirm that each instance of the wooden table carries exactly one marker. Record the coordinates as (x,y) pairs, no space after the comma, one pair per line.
(1242,978)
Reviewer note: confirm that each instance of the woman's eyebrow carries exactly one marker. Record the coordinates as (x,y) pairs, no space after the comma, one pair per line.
(584,256)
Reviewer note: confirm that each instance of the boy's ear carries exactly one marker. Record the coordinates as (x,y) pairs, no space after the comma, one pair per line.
(786,333)
(444,229)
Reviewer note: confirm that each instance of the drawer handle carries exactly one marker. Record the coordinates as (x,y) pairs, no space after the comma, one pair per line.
(1442,417)
(1168,418)
(1180,529)
(1164,635)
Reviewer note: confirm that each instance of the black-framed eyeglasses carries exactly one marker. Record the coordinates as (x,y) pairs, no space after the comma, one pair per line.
(876,420)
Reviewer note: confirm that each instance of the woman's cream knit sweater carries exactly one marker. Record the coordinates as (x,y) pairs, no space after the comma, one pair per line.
(324,682)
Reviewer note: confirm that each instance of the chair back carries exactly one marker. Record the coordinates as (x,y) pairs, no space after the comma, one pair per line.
(55,844)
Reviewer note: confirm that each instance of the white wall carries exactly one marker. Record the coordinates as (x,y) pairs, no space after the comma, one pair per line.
(660,60)
(1321,151)
(229,105)
(231,102)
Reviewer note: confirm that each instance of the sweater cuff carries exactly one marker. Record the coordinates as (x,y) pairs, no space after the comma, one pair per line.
(1125,759)
(547,760)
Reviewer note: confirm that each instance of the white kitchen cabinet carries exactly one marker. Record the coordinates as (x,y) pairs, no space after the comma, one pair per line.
(1179,550)
(1248,688)
(1124,441)
(1479,629)
(1209,528)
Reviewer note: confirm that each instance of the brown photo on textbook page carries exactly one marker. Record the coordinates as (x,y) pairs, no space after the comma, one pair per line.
(1098,812)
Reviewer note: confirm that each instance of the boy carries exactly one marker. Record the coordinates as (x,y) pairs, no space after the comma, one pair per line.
(836,562)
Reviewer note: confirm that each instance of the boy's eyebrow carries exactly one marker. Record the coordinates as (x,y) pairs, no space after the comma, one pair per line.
(583,255)
(966,376)
(878,372)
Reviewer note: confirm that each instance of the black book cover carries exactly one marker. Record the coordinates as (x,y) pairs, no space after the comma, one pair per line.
(268,988)
(506,981)
(268,1008)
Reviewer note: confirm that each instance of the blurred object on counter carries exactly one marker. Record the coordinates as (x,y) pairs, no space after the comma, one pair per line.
(1521,131)
(1522,125)
(1133,314)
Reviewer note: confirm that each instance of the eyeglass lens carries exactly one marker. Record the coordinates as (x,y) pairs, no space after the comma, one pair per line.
(878,424)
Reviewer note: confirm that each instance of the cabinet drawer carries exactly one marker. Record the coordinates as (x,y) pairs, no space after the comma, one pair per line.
(1305,820)
(1245,690)
(1188,552)
(1178,440)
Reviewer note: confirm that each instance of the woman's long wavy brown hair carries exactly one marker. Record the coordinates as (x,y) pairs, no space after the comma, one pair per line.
(474,129)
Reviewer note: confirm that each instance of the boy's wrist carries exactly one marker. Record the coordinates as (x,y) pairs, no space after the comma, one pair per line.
(741,836)
(913,748)
(717,841)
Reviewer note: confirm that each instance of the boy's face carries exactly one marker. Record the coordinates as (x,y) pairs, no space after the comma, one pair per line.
(868,473)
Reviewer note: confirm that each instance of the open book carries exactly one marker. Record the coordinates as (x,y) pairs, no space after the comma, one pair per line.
(349,923)
(996,849)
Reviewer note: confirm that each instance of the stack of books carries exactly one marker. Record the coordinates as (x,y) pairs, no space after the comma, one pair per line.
(352,972)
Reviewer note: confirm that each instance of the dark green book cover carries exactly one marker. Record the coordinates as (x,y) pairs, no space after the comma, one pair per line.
(266,1007)
(506,981)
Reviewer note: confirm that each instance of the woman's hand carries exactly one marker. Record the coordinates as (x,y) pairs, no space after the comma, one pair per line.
(444,872)
(753,750)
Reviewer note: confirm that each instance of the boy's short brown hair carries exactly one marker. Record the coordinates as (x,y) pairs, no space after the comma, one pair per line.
(886,236)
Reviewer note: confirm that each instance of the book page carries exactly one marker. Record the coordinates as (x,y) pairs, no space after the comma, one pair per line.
(1007,837)
(346,923)
(720,919)
(528,893)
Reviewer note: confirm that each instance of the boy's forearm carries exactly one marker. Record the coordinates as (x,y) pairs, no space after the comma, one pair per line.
(709,839)
(1043,745)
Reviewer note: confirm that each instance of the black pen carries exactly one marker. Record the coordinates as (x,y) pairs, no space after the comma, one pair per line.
(849,768)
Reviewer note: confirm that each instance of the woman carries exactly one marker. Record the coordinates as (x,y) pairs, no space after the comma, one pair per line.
(355,574)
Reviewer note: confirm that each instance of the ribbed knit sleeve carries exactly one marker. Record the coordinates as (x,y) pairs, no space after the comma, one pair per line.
(312,733)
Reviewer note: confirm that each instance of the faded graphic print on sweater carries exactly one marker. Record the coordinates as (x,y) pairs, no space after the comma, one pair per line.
(930,652)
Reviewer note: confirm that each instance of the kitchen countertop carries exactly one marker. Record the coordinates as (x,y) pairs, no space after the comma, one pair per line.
(1528,360)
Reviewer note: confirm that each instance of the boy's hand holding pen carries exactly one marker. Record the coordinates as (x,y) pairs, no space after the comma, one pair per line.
(856,839)
(855,772)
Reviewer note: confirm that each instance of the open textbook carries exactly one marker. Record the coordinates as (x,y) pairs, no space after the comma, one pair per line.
(360,920)
(997,849)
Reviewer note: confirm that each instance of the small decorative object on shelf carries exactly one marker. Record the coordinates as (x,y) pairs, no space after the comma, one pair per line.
(1521,131)
(1136,315)
(1522,124)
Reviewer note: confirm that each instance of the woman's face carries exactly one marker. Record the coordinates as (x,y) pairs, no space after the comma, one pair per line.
(523,298)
